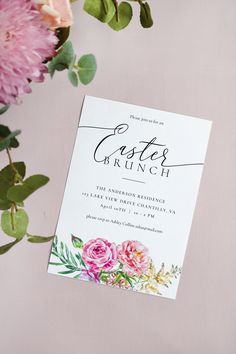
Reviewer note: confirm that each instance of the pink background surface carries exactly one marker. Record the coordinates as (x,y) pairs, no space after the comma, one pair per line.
(185,64)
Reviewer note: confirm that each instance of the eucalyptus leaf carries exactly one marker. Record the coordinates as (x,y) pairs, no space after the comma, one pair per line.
(39,239)
(72,63)
(4,108)
(73,77)
(145,15)
(87,67)
(7,247)
(61,67)
(15,224)
(122,18)
(30,185)
(63,59)
(7,138)
(103,10)
(8,177)
(4,143)
(4,204)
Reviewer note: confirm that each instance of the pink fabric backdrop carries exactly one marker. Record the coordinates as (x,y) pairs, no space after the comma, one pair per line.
(186,64)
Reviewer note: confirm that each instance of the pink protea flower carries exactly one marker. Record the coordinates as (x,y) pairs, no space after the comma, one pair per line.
(134,257)
(25,42)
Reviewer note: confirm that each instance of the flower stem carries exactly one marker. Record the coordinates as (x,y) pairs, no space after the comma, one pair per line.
(117,12)
(12,217)
(11,162)
(13,206)
(9,156)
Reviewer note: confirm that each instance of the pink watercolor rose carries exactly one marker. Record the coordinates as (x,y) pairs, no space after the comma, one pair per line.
(100,254)
(56,13)
(134,257)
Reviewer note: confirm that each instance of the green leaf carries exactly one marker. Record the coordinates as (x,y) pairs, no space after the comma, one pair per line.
(7,247)
(77,276)
(121,19)
(126,277)
(7,172)
(78,256)
(4,143)
(73,260)
(87,68)
(67,272)
(4,108)
(8,176)
(15,224)
(103,277)
(4,204)
(72,63)
(61,67)
(29,186)
(54,253)
(71,267)
(62,247)
(62,34)
(103,10)
(145,15)
(63,59)
(67,253)
(55,241)
(77,242)
(7,138)
(73,77)
(118,278)
(39,239)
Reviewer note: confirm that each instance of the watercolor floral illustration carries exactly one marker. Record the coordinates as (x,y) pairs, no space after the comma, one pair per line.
(127,265)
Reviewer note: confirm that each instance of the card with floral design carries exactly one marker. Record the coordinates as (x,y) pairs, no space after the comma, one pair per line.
(130,195)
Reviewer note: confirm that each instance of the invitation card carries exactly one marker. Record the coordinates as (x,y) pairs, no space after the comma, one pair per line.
(130,196)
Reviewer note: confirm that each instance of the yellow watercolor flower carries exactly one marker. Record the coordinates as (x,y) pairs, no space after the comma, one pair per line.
(147,282)
(150,287)
(164,278)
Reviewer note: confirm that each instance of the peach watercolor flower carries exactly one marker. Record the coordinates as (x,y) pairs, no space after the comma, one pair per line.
(56,13)
(134,257)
